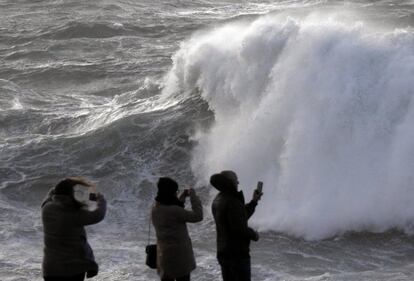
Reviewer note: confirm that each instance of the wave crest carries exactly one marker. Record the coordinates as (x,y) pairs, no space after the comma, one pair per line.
(320,111)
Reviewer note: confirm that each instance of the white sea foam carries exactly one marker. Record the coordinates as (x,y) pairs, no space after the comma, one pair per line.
(320,110)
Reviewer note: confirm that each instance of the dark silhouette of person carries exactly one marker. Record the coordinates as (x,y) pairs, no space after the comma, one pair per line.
(67,254)
(175,257)
(233,233)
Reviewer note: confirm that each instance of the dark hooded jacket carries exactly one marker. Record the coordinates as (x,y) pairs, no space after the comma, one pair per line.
(66,250)
(231,215)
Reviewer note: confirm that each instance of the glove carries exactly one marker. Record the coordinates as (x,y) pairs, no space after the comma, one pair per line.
(91,273)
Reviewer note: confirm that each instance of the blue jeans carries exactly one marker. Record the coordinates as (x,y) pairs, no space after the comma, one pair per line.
(235,269)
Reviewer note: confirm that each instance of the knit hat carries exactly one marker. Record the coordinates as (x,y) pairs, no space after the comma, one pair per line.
(167,186)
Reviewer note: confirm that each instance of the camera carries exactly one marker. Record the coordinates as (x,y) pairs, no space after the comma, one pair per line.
(259,186)
(92,197)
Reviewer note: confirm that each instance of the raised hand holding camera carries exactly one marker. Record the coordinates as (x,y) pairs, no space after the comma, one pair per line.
(257,194)
(91,189)
(93,193)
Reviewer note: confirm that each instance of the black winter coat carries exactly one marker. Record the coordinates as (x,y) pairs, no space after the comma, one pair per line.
(233,234)
(66,250)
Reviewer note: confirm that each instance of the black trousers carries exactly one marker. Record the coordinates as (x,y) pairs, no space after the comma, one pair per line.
(235,269)
(78,277)
(184,278)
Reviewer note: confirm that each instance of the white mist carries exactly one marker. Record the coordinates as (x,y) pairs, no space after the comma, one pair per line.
(321,112)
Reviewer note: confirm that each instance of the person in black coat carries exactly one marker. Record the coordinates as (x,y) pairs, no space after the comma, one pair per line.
(67,254)
(175,256)
(233,233)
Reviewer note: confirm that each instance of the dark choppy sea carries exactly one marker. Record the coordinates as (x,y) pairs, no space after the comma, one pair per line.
(315,98)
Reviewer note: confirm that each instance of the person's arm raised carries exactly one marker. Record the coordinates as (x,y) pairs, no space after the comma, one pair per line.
(196,213)
(183,195)
(86,217)
(81,181)
(251,206)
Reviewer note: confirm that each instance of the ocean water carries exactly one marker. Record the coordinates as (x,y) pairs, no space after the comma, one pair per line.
(315,98)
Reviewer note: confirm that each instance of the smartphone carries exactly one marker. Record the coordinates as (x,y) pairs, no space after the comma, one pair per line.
(92,197)
(259,186)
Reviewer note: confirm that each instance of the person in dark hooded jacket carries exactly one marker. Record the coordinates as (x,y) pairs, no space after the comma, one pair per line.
(233,233)
(67,254)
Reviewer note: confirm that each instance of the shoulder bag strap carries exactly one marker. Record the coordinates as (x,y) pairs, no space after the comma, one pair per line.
(149,228)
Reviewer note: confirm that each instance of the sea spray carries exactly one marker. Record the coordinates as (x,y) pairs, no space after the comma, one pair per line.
(321,111)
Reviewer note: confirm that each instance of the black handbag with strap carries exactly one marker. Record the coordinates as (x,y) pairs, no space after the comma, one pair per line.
(151,250)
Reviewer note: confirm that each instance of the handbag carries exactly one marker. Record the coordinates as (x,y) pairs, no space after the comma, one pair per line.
(150,250)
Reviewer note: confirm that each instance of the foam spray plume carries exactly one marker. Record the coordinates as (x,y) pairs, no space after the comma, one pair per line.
(320,111)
